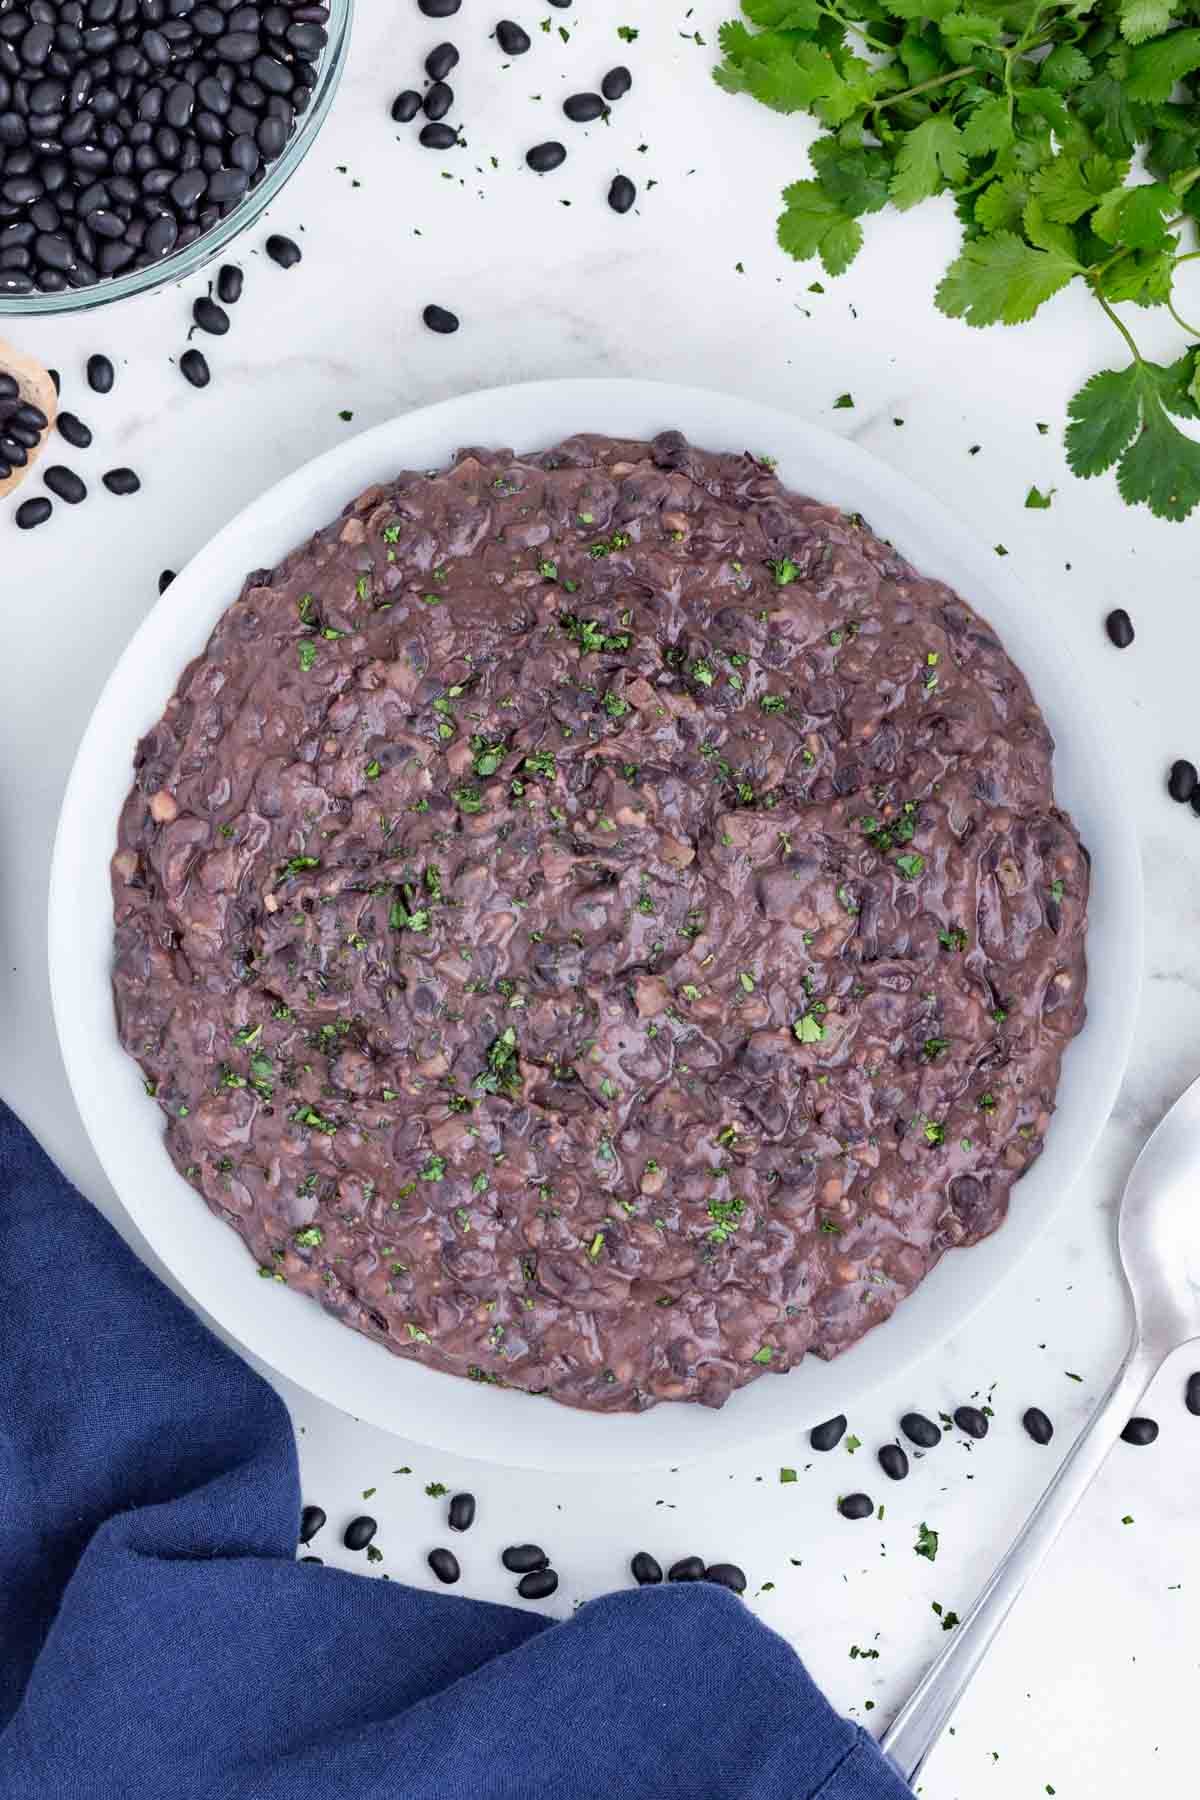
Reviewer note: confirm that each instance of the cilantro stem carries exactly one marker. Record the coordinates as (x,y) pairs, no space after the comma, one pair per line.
(922,87)
(1105,307)
(831,12)
(1181,322)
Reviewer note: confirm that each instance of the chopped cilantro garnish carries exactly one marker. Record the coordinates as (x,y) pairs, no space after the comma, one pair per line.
(911,864)
(309,1238)
(927,1543)
(308,654)
(434,1169)
(784,571)
(502,1074)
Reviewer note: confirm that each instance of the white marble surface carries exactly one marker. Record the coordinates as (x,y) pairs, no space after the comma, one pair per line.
(1088,1693)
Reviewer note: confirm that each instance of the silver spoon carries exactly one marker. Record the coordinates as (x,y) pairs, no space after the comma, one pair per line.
(1159,1238)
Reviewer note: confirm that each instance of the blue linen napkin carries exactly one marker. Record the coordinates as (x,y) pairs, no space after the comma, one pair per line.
(158,1639)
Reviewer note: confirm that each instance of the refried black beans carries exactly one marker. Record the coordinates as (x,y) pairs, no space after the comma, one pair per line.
(599,922)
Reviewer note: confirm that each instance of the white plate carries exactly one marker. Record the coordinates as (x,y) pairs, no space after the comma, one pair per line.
(210,1261)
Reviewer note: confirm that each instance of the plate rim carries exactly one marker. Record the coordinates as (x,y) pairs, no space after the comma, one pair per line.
(627,1441)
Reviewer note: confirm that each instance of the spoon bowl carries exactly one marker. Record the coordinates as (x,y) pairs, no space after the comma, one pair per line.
(1159,1231)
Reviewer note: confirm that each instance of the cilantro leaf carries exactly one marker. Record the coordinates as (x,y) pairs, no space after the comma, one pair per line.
(927,1543)
(1141,19)
(1000,279)
(988,128)
(784,15)
(853,176)
(1122,417)
(1065,67)
(1155,67)
(928,155)
(1072,185)
(812,224)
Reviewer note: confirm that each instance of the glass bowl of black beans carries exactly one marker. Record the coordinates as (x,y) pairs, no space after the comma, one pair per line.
(138,137)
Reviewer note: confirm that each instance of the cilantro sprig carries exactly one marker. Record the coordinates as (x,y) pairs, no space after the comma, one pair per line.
(1042,118)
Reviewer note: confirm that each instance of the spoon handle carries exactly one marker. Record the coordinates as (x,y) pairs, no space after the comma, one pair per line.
(917,1726)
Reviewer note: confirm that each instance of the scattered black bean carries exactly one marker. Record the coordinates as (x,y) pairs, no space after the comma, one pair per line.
(829,1435)
(920,1431)
(1195,802)
(439,9)
(971,1420)
(1140,1432)
(65,484)
(544,157)
(1038,1425)
(283,250)
(319,1560)
(444,1564)
(56,378)
(164,582)
(406,106)
(581,109)
(893,1462)
(461,1515)
(856,1506)
(622,194)
(522,1559)
(193,366)
(539,1584)
(229,284)
(121,481)
(688,1568)
(616,83)
(440,61)
(1181,782)
(435,136)
(512,38)
(74,430)
(726,1575)
(313,1517)
(1191,1394)
(209,316)
(646,1571)
(438,100)
(359,1532)
(33,512)
(1119,627)
(100,374)
(438,319)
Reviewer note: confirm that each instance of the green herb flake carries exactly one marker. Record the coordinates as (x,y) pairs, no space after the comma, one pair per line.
(927,1543)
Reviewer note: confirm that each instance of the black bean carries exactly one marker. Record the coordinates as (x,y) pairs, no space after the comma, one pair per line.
(893,1462)
(406,106)
(15,454)
(726,1575)
(444,1564)
(920,1431)
(435,136)
(25,435)
(164,582)
(359,1532)
(646,1571)
(1037,1425)
(439,9)
(33,512)
(121,481)
(161,236)
(1140,1432)
(622,194)
(438,100)
(229,284)
(581,109)
(856,1506)
(545,157)
(1195,802)
(283,250)
(1119,627)
(512,38)
(438,319)
(313,1517)
(8,386)
(319,1560)
(538,1585)
(1181,782)
(1191,1394)
(100,374)
(519,1559)
(440,61)
(461,1515)
(29,414)
(209,316)
(688,1568)
(616,83)
(828,1435)
(65,484)
(971,1420)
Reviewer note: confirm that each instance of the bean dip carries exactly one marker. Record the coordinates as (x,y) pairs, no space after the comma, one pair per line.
(599,922)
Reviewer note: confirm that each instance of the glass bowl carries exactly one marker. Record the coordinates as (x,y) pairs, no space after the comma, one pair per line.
(186,262)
